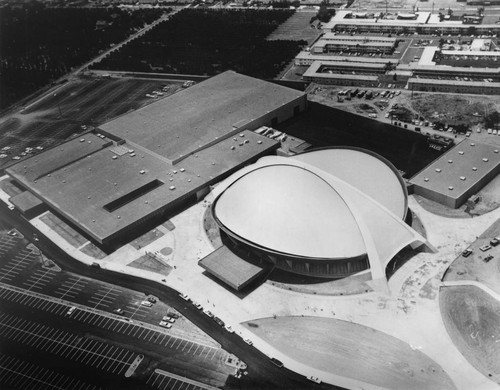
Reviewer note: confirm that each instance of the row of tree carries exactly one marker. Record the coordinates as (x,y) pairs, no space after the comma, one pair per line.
(39,44)
(207,42)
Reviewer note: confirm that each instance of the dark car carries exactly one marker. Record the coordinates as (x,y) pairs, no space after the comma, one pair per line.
(488,258)
(219,321)
(466,253)
(495,242)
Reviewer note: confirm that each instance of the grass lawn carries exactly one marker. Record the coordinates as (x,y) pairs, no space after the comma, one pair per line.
(352,351)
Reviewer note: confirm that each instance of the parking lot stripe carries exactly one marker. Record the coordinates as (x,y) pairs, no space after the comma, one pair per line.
(136,329)
(25,375)
(215,353)
(143,330)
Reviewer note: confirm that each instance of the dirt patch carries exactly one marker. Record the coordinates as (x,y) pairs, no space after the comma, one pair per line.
(471,318)
(149,263)
(166,251)
(169,225)
(454,109)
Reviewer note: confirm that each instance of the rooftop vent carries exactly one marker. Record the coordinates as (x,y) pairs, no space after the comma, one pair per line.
(450,161)
(172,188)
(450,188)
(462,178)
(474,168)
(438,170)
(426,179)
(115,157)
(182,169)
(259,142)
(142,171)
(82,140)
(485,159)
(472,144)
(461,152)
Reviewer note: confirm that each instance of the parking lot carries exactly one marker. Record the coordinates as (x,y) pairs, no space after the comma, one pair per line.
(19,374)
(142,332)
(71,318)
(66,345)
(163,380)
(22,267)
(78,103)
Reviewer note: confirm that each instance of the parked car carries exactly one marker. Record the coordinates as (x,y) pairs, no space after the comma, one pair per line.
(466,253)
(495,241)
(173,314)
(146,303)
(488,258)
(165,324)
(219,321)
(485,248)
(119,311)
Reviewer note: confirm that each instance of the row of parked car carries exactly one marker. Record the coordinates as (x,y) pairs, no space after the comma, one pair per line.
(484,248)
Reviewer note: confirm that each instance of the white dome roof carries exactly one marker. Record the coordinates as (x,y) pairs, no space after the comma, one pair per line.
(328,204)
(291,210)
(368,172)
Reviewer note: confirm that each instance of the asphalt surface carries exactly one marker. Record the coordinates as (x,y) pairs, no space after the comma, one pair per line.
(262,373)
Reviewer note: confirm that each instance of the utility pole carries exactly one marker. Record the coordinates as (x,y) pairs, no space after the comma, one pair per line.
(58,106)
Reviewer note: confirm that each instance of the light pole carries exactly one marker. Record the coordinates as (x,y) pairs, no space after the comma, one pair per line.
(58,106)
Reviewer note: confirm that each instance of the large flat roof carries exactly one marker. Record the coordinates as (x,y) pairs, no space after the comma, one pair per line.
(469,159)
(178,125)
(114,187)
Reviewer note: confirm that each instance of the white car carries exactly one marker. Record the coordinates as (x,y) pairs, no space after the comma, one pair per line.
(208,313)
(165,324)
(229,329)
(197,305)
(71,310)
(184,296)
(146,303)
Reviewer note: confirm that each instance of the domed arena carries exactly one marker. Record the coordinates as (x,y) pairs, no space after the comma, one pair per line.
(327,213)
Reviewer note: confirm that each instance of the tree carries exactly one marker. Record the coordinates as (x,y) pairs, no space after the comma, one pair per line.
(325,14)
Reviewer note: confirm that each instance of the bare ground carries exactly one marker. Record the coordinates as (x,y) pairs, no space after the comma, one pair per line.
(471,318)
